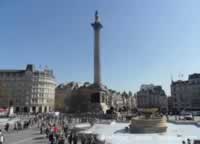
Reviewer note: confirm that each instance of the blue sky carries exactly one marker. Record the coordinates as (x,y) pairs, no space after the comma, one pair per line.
(143,41)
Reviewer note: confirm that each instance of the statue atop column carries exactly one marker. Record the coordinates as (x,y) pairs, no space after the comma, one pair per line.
(96,16)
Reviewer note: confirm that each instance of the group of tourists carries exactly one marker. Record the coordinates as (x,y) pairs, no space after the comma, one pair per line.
(18,125)
(21,123)
(60,130)
(57,129)
(59,137)
(188,141)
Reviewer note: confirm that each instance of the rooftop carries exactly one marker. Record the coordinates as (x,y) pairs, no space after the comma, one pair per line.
(29,67)
(194,76)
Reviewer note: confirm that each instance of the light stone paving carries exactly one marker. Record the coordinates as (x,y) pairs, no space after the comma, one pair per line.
(116,134)
(29,136)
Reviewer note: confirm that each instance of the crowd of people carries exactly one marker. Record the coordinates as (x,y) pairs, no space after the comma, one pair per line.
(18,125)
(60,130)
(57,129)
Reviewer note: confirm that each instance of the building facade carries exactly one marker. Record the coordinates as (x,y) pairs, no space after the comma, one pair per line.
(115,100)
(170,104)
(120,101)
(151,97)
(28,90)
(186,94)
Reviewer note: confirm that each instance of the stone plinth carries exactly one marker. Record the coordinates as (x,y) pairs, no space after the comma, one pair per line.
(89,99)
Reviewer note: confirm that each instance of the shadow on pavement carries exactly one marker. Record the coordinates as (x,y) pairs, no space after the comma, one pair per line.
(36,134)
(121,131)
(41,142)
(39,138)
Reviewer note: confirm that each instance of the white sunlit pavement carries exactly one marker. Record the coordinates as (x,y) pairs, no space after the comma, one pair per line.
(3,121)
(11,121)
(116,134)
(28,136)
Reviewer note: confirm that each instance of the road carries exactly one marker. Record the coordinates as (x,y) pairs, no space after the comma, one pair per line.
(29,136)
(196,118)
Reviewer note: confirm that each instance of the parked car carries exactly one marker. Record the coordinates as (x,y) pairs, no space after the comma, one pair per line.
(196,113)
(186,116)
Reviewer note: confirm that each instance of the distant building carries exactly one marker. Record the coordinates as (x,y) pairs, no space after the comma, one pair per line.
(127,100)
(63,96)
(151,97)
(73,97)
(133,103)
(186,94)
(116,100)
(123,100)
(146,86)
(170,104)
(28,90)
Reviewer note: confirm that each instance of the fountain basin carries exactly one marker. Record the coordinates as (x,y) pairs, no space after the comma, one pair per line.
(152,125)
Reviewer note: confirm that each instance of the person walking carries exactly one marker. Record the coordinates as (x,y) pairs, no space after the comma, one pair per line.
(83,139)
(188,141)
(75,139)
(70,139)
(47,131)
(7,127)
(2,139)
(51,138)
(92,140)
(61,140)
(41,130)
(89,139)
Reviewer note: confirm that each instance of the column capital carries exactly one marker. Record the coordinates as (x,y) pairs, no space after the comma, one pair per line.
(96,24)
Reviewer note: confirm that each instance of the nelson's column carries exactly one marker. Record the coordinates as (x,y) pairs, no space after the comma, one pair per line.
(97,58)
(92,97)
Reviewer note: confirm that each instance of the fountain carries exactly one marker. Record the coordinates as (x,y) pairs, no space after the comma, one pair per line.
(149,122)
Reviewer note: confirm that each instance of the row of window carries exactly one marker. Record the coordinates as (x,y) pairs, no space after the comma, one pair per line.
(42,94)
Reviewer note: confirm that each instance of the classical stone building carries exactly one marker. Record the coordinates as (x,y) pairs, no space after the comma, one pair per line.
(28,90)
(133,103)
(128,100)
(186,94)
(122,100)
(63,96)
(115,99)
(151,96)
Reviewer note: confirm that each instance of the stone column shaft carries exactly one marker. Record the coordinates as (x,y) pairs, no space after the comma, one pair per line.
(97,58)
(97,51)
